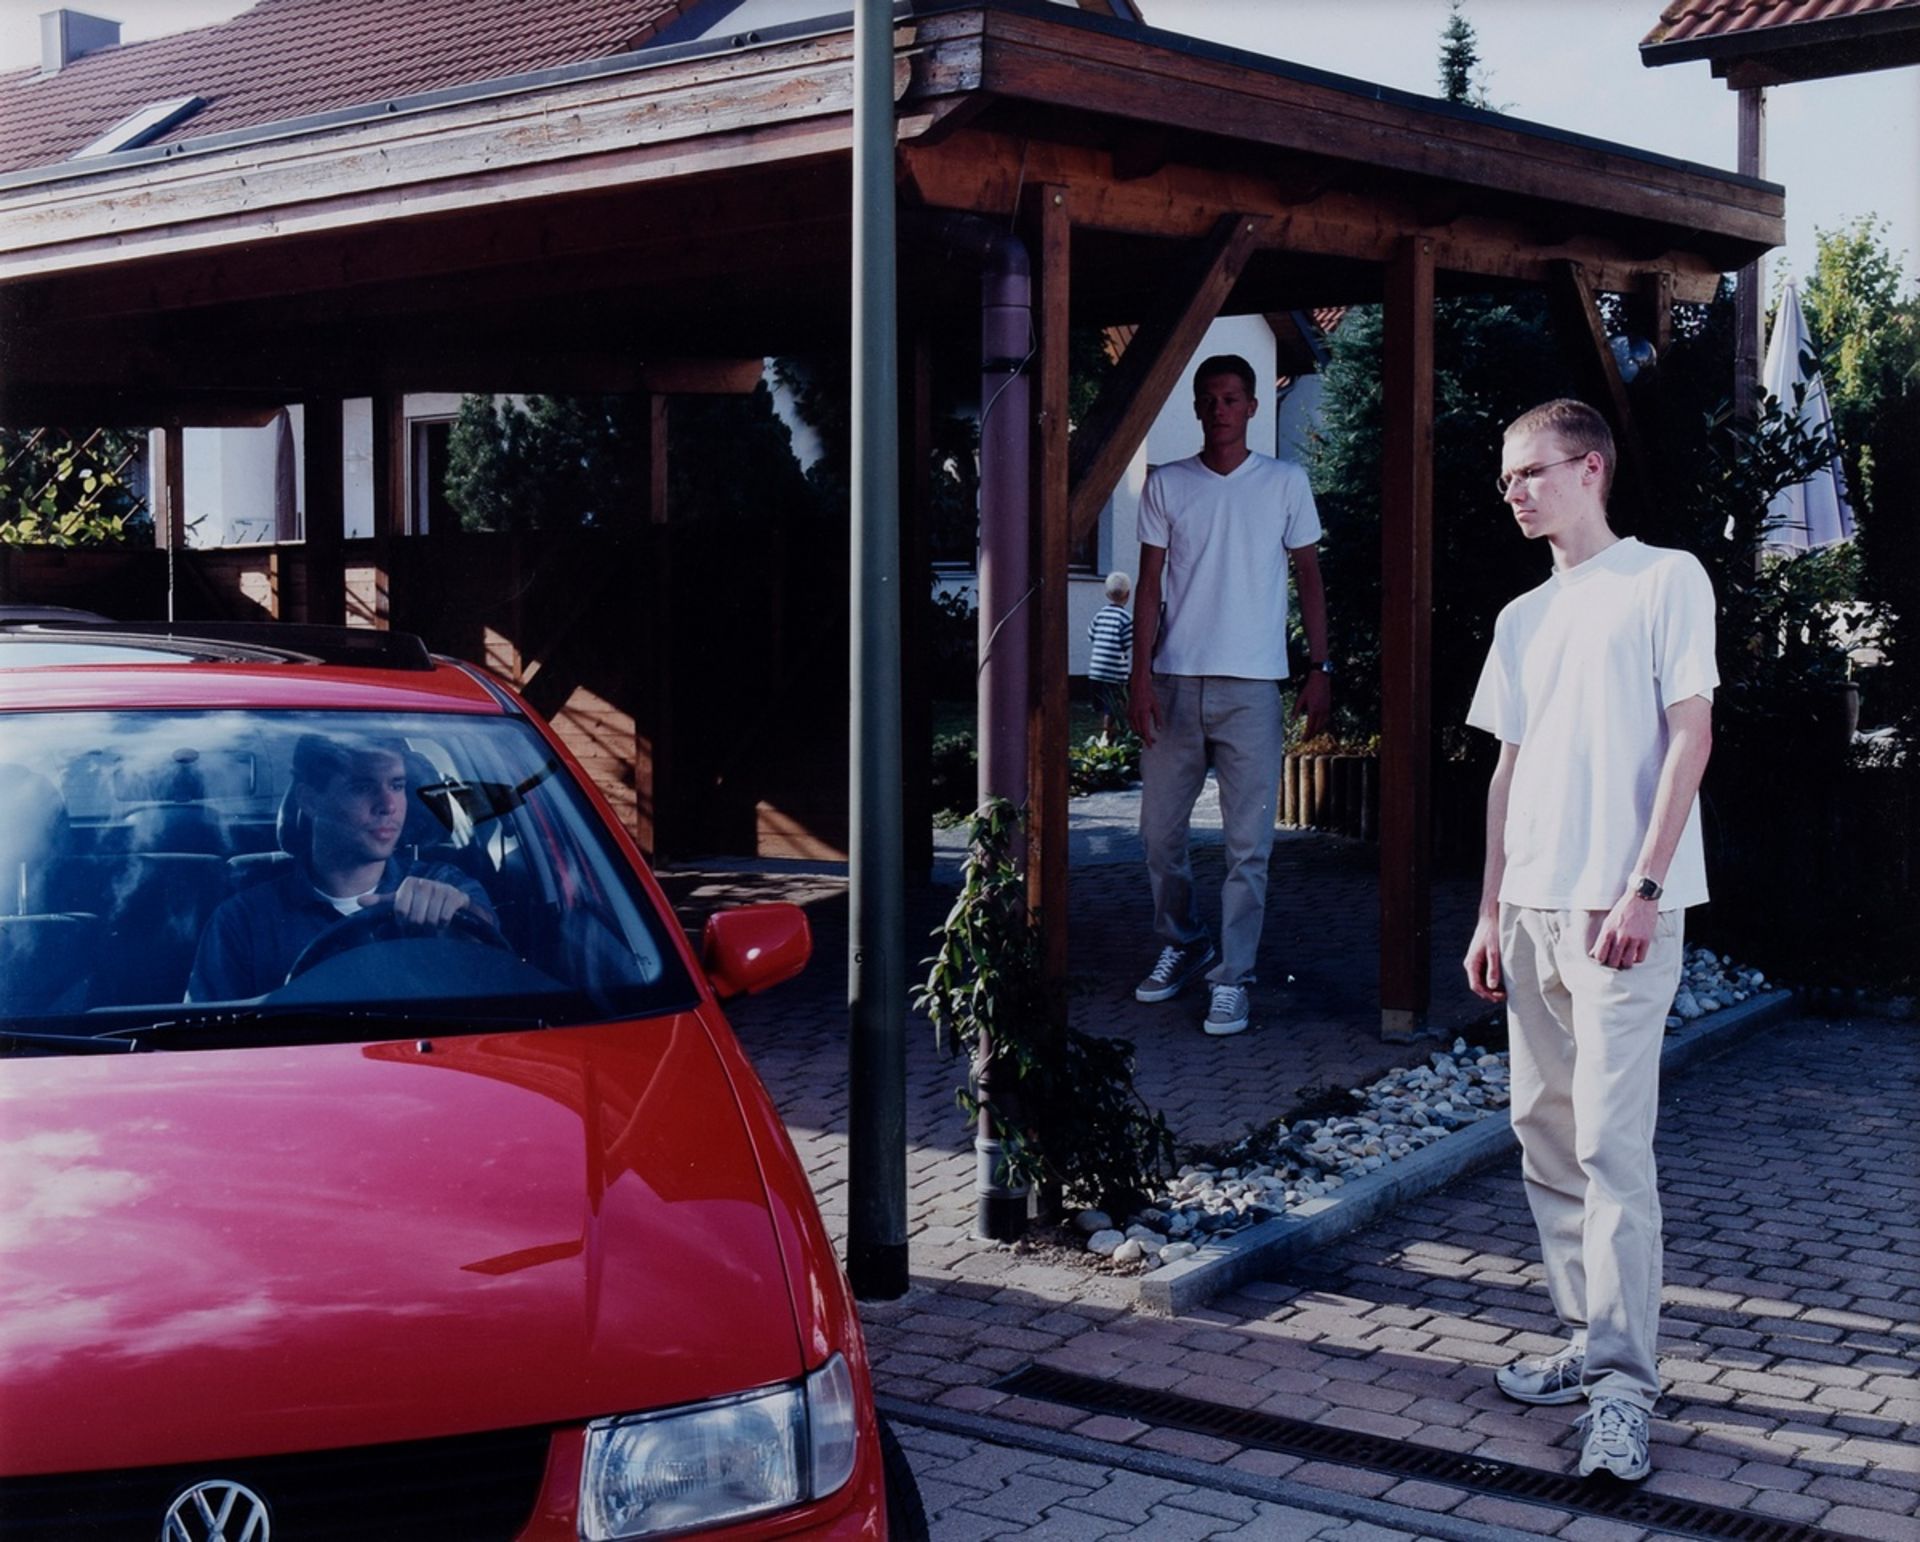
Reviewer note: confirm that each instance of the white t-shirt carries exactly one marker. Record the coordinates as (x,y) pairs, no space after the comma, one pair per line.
(1224,592)
(1580,675)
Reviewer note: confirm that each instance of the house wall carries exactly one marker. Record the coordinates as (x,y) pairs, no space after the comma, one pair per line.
(1174,435)
(229,472)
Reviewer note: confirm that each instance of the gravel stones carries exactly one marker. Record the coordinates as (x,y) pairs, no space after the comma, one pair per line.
(1710,982)
(1283,1168)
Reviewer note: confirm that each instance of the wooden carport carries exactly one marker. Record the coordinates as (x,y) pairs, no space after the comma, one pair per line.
(646,223)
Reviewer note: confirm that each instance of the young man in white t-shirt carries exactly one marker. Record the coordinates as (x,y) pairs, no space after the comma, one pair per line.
(1218,532)
(1599,686)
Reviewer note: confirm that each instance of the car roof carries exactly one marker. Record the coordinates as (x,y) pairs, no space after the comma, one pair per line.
(44,666)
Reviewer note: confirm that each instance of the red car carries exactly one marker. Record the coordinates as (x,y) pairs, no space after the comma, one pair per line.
(375,1158)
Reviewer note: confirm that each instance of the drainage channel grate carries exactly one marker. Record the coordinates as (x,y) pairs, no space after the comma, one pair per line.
(1294,1437)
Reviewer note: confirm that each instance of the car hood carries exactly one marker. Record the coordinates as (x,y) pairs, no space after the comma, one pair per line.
(246,1251)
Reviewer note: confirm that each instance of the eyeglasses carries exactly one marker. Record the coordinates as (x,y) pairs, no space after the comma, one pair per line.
(1506,479)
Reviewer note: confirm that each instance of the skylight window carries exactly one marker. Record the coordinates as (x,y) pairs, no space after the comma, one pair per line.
(148,123)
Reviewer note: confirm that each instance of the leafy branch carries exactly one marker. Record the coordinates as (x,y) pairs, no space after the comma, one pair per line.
(1064,1108)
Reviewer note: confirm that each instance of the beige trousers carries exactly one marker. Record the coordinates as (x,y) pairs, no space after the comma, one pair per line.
(1239,727)
(1586,1091)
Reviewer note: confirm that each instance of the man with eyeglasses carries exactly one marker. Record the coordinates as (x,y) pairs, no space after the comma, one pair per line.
(1599,686)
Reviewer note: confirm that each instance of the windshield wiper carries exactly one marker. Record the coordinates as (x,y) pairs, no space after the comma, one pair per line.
(235,1026)
(78,1043)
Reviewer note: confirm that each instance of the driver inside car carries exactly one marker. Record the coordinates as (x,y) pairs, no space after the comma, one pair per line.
(349,802)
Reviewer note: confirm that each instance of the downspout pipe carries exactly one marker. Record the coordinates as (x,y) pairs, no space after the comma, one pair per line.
(1006,630)
(1006,534)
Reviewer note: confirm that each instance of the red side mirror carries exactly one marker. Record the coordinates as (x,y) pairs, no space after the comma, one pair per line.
(749,949)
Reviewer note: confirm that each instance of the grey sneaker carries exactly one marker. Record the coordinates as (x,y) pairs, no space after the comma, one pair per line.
(1616,1440)
(1553,1378)
(1228,1011)
(1175,967)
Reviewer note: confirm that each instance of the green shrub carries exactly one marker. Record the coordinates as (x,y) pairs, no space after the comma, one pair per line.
(956,778)
(1099,766)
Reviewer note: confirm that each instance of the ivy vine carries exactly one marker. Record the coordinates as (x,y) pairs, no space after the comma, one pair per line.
(1064,1107)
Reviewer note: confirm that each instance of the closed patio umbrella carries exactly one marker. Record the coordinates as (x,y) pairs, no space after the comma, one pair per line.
(286,514)
(1813,513)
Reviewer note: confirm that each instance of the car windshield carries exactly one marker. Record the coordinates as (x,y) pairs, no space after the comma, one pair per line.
(181,879)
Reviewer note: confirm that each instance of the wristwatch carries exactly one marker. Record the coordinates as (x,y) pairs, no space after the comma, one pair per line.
(1645,888)
(1324,666)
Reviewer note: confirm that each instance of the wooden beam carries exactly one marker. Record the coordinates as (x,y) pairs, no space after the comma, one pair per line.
(701,377)
(1590,351)
(1050,232)
(30,402)
(980,172)
(1749,284)
(1650,311)
(1406,627)
(1151,367)
(325,528)
(1038,59)
(700,116)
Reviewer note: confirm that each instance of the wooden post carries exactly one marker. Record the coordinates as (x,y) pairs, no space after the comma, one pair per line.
(1050,230)
(326,574)
(1406,625)
(653,720)
(170,502)
(389,496)
(170,508)
(1749,285)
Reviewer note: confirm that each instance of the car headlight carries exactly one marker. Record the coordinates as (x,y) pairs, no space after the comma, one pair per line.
(726,1460)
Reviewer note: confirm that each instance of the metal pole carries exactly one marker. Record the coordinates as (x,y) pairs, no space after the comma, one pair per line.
(876,968)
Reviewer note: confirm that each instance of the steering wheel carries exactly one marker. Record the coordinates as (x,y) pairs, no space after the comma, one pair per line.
(381,924)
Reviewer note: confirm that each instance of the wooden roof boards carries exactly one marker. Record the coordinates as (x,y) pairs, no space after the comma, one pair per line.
(558,226)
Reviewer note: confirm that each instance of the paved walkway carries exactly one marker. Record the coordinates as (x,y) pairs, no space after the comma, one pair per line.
(1792,1324)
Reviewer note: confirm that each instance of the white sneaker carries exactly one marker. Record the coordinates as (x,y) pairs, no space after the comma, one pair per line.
(1173,969)
(1553,1378)
(1228,1011)
(1616,1440)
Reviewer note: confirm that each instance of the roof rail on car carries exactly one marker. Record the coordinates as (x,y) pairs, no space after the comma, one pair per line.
(247,641)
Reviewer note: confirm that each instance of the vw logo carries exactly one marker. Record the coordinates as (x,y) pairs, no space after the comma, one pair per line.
(217,1511)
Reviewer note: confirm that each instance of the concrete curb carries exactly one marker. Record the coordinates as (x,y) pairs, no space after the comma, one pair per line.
(1273,1246)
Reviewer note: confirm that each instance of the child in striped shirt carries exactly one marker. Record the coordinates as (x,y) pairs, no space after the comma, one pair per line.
(1111,666)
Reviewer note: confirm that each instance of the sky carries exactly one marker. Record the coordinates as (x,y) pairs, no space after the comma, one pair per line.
(1843,148)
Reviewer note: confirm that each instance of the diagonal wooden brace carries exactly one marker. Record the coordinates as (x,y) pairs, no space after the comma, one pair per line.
(1151,367)
(1591,355)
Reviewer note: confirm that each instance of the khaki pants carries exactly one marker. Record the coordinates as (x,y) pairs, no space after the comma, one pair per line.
(1586,1091)
(1238,727)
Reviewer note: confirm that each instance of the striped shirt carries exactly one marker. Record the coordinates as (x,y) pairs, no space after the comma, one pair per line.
(1112,634)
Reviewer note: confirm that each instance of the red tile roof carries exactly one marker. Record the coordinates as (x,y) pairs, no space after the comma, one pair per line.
(1700,21)
(290,58)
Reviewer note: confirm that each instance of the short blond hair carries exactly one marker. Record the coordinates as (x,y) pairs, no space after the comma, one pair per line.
(1579,428)
(1118,587)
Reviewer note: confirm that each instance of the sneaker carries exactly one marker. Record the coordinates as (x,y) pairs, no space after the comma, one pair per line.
(1616,1440)
(1176,966)
(1554,1378)
(1228,1013)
